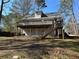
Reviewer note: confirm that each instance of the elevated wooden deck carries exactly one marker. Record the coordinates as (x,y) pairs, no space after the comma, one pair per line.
(72,36)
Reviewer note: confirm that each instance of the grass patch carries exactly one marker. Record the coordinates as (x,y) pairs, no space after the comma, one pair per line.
(43,49)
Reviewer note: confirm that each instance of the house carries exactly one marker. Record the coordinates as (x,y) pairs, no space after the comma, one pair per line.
(39,24)
(78,27)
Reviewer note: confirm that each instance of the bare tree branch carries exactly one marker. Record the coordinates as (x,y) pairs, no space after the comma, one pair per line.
(6,1)
(22,7)
(40,4)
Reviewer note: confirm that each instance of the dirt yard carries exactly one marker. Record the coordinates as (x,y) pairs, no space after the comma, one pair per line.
(23,48)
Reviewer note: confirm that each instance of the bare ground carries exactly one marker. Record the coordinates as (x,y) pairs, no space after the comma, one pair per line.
(38,49)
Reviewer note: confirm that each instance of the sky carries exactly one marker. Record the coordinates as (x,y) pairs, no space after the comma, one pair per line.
(76,9)
(52,6)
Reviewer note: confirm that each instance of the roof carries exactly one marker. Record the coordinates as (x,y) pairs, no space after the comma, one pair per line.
(53,14)
(32,21)
(46,16)
(43,18)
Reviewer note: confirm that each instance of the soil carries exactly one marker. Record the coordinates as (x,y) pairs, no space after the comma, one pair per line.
(43,49)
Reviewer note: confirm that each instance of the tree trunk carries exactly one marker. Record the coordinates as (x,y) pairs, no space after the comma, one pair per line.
(1,10)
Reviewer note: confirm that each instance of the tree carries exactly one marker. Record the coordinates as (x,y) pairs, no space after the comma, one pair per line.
(19,9)
(2,3)
(10,22)
(67,9)
(22,7)
(40,4)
